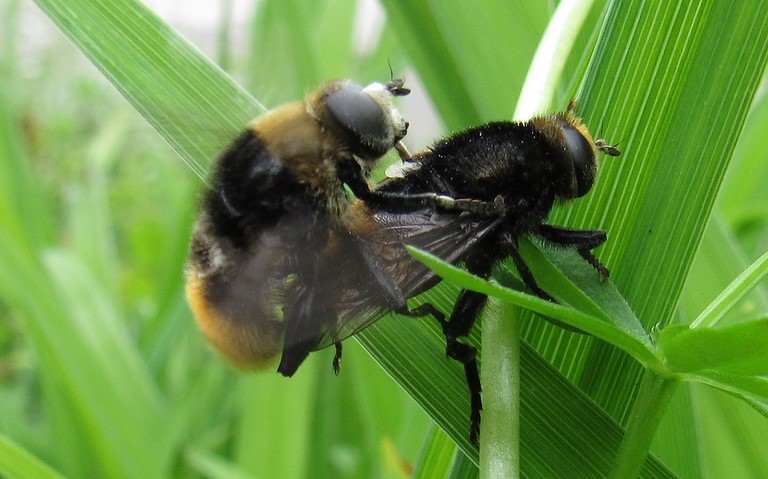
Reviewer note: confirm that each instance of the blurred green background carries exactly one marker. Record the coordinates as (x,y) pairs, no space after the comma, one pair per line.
(102,371)
(96,215)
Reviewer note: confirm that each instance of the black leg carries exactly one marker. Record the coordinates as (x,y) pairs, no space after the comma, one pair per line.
(526,275)
(579,239)
(337,359)
(422,310)
(584,241)
(595,263)
(465,312)
(467,355)
(467,309)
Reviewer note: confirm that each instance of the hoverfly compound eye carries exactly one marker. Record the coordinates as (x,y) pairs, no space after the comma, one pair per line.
(355,110)
(583,157)
(367,115)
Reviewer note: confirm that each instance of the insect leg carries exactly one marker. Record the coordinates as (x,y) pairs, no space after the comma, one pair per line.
(479,207)
(467,309)
(408,202)
(527,277)
(337,359)
(465,312)
(403,152)
(582,240)
(351,174)
(463,317)
(525,272)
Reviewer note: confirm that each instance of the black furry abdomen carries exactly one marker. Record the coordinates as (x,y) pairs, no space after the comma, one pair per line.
(252,190)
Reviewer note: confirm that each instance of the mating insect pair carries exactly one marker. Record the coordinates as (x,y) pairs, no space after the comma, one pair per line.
(283,262)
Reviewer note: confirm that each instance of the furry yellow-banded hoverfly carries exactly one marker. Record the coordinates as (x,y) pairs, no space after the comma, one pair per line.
(277,207)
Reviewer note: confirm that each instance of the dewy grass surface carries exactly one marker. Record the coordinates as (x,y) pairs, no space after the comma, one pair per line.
(103,353)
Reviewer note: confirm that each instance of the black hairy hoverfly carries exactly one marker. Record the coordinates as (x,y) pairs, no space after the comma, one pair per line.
(515,172)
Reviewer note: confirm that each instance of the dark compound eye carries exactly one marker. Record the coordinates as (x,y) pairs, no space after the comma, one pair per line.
(359,114)
(583,158)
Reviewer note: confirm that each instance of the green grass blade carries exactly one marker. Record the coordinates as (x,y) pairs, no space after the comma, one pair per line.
(753,389)
(718,424)
(652,83)
(462,468)
(187,98)
(295,45)
(215,467)
(668,217)
(718,263)
(500,380)
(20,464)
(596,326)
(587,434)
(463,78)
(730,435)
(91,367)
(744,195)
(436,455)
(734,293)
(737,349)
(551,57)
(660,71)
(657,86)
